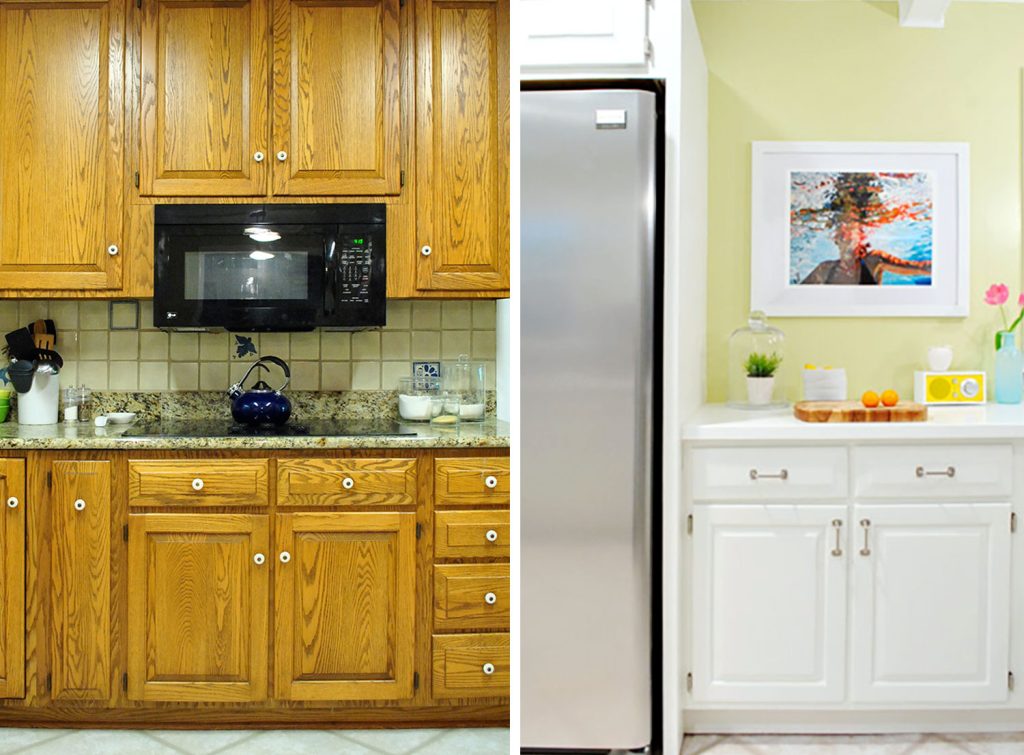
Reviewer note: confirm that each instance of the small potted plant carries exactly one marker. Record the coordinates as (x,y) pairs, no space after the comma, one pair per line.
(761,377)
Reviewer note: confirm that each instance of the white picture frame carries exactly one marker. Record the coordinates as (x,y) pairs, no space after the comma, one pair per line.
(775,273)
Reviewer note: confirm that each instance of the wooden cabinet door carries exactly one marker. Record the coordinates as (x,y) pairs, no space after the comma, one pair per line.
(80,580)
(336,97)
(931,599)
(205,93)
(197,607)
(12,578)
(344,606)
(769,603)
(61,137)
(462,144)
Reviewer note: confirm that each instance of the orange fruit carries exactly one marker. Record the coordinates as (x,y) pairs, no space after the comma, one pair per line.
(890,397)
(869,399)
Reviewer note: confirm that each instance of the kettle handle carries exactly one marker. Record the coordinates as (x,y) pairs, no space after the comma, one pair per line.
(284,367)
(237,389)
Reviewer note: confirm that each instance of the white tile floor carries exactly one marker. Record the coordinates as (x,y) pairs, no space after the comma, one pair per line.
(278,742)
(894,744)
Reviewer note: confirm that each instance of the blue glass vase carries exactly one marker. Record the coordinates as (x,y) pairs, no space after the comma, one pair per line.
(1009,382)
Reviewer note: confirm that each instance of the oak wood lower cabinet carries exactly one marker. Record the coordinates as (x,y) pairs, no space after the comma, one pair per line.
(12,577)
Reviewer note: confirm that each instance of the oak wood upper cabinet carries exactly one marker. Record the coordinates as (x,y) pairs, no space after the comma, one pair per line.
(336,97)
(462,144)
(198,591)
(344,606)
(61,144)
(12,578)
(204,98)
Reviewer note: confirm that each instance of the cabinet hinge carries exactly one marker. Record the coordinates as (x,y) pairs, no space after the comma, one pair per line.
(49,682)
(401,3)
(138,3)
(49,479)
(124,533)
(689,524)
(401,178)
(1013,521)
(1009,680)
(689,682)
(124,681)
(419,530)
(137,172)
(415,679)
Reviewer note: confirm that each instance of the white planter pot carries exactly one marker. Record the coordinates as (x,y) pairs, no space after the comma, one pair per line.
(760,390)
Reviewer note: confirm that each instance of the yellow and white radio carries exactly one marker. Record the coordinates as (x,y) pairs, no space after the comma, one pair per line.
(949,388)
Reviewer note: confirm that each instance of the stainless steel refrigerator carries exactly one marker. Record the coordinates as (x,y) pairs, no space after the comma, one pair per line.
(588,396)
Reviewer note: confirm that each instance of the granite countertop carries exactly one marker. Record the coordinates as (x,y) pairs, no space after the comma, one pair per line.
(82,436)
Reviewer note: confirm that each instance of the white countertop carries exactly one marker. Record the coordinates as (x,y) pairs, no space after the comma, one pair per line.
(717,422)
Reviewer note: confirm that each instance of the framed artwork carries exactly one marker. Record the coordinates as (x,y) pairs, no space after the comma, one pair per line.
(860,229)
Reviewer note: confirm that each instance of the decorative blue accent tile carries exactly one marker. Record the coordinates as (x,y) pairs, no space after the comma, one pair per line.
(426,369)
(243,346)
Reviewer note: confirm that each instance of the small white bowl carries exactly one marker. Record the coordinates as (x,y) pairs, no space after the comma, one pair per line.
(121,418)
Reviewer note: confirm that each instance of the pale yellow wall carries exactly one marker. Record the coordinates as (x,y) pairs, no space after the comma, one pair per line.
(847,71)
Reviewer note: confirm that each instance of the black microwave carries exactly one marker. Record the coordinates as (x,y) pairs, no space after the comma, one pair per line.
(275,267)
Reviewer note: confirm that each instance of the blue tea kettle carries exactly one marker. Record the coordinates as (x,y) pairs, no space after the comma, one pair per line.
(261,404)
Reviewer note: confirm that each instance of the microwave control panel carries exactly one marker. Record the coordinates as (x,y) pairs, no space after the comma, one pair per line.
(355,262)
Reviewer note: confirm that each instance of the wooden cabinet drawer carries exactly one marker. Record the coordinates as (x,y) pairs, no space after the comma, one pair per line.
(925,471)
(198,482)
(471,665)
(471,596)
(471,480)
(471,534)
(339,482)
(769,473)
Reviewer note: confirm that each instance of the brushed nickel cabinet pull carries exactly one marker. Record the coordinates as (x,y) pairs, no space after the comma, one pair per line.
(866,524)
(782,475)
(947,472)
(838,525)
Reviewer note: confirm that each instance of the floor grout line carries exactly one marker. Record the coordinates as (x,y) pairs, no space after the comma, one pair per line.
(39,742)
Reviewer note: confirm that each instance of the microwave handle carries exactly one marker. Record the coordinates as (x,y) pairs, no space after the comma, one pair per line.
(330,275)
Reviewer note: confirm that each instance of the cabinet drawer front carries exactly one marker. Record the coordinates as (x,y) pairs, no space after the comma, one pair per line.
(339,482)
(471,596)
(471,665)
(198,482)
(471,534)
(471,480)
(772,473)
(933,471)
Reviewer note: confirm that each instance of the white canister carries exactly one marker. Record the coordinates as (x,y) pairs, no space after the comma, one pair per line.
(39,405)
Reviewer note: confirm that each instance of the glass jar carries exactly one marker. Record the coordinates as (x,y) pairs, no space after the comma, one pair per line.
(445,410)
(415,396)
(467,380)
(757,365)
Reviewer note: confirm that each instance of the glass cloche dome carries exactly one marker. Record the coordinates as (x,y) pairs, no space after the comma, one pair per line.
(756,364)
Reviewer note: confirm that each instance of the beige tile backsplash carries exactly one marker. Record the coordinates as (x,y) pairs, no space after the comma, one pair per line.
(152,360)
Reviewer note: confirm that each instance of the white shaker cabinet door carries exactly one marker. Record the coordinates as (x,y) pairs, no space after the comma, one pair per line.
(931,597)
(583,33)
(769,607)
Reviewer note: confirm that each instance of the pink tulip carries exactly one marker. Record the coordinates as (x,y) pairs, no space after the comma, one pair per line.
(997,294)
(1020,301)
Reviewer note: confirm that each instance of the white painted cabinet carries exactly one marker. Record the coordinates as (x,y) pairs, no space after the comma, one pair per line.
(582,33)
(769,603)
(931,597)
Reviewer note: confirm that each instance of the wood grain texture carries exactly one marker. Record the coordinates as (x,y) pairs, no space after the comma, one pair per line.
(321,482)
(204,97)
(197,607)
(80,580)
(459,665)
(463,534)
(12,578)
(462,143)
(463,480)
(336,114)
(459,596)
(224,482)
(61,144)
(855,411)
(344,606)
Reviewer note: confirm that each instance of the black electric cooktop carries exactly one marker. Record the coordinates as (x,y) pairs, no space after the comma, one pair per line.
(228,429)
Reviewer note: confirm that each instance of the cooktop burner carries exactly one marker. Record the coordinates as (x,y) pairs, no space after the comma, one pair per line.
(228,429)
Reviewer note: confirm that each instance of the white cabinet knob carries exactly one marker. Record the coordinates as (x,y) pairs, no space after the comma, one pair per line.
(492,536)
(491,481)
(425,250)
(197,484)
(12,502)
(488,668)
(112,250)
(258,157)
(79,505)
(282,156)
(348,483)
(490,598)
(285,557)
(259,559)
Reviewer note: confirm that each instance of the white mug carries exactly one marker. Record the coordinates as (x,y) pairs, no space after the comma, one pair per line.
(940,358)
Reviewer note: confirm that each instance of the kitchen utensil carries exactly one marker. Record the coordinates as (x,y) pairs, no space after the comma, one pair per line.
(121,418)
(20,344)
(20,372)
(854,411)
(261,404)
(940,358)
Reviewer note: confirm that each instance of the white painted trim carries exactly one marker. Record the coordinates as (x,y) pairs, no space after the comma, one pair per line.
(923,14)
